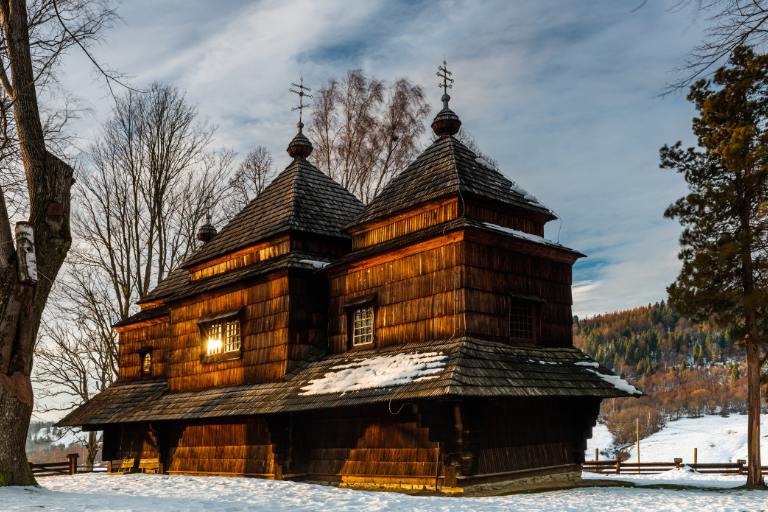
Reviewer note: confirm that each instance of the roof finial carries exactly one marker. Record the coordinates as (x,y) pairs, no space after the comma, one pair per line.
(442,72)
(446,122)
(301,90)
(300,147)
(207,231)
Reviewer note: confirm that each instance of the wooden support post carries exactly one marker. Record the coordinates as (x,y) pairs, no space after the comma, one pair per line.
(437,466)
(459,427)
(109,466)
(72,463)
(618,466)
(597,454)
(695,456)
(678,462)
(289,455)
(465,459)
(741,463)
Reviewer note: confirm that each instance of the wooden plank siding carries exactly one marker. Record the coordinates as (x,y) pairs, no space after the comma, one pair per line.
(418,294)
(497,270)
(238,259)
(230,448)
(455,285)
(522,220)
(429,214)
(369,446)
(134,339)
(264,334)
(505,446)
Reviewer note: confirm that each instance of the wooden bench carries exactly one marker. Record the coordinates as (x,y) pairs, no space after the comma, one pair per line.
(150,466)
(145,466)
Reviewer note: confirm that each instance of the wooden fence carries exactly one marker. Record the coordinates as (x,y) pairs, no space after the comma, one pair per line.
(618,467)
(68,467)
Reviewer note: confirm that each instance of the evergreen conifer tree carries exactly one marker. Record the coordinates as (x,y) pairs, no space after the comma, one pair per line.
(724,244)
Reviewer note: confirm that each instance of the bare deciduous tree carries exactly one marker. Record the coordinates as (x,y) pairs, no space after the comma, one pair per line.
(253,175)
(151,180)
(32,38)
(365,132)
(731,23)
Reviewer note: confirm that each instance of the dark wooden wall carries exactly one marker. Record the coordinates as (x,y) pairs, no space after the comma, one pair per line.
(479,210)
(418,293)
(264,333)
(308,317)
(367,446)
(517,434)
(228,448)
(499,268)
(134,339)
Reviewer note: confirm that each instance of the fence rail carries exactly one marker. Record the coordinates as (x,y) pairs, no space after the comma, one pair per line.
(617,467)
(67,467)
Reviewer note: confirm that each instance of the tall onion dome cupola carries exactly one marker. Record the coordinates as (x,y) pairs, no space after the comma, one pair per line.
(446,122)
(300,148)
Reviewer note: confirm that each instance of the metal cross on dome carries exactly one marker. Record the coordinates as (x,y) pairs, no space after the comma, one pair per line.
(301,90)
(442,72)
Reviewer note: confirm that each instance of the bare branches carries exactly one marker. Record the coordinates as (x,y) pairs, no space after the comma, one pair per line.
(146,189)
(733,23)
(365,132)
(253,175)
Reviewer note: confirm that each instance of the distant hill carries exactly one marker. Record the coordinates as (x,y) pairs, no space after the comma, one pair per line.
(643,340)
(686,369)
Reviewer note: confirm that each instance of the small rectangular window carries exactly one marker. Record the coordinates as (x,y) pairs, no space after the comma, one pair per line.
(222,337)
(146,362)
(362,325)
(522,320)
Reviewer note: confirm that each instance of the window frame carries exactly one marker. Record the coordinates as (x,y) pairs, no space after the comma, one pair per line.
(205,323)
(350,308)
(535,305)
(143,353)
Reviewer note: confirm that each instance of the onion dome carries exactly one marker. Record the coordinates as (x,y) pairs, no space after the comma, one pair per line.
(300,147)
(446,122)
(207,231)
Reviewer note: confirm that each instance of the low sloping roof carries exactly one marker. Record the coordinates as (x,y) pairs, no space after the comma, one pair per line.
(445,168)
(464,367)
(300,198)
(178,285)
(144,315)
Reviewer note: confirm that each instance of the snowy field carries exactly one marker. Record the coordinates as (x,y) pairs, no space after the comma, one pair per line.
(718,439)
(159,493)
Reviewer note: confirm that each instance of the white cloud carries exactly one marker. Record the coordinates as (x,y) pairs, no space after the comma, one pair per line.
(564,96)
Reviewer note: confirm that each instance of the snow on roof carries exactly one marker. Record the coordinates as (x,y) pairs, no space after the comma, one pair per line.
(377,372)
(618,383)
(523,235)
(318,264)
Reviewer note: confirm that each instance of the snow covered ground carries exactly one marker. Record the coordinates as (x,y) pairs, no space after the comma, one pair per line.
(158,493)
(678,476)
(718,439)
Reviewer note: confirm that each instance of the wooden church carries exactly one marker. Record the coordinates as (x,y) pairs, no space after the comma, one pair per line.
(420,342)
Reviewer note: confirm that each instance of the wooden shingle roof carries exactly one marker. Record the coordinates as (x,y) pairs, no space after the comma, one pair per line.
(445,168)
(301,198)
(465,367)
(178,284)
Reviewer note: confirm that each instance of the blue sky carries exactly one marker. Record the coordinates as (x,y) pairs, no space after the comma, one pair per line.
(564,94)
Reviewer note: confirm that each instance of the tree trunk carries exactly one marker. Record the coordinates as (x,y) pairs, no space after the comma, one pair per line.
(49,181)
(93,449)
(15,409)
(754,474)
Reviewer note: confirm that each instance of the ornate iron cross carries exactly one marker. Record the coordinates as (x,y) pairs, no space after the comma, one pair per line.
(442,72)
(301,90)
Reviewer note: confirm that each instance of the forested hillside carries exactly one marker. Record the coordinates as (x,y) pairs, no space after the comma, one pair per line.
(686,368)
